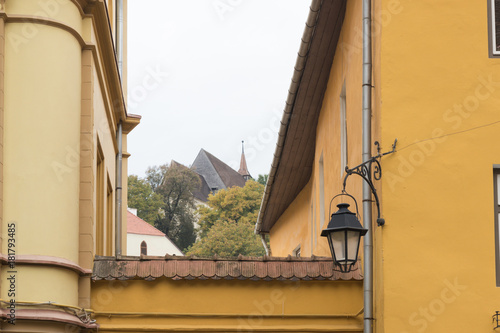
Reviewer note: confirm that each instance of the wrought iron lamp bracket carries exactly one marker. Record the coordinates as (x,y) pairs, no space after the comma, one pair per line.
(496,320)
(370,170)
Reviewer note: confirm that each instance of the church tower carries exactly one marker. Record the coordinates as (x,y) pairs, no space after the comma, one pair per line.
(243,164)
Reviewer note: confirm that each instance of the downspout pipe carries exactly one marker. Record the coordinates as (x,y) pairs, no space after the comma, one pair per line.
(118,193)
(264,243)
(366,149)
(119,35)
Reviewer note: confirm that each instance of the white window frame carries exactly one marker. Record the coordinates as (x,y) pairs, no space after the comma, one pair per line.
(494,51)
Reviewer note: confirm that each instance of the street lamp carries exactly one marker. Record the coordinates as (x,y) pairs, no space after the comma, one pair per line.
(344,230)
(344,233)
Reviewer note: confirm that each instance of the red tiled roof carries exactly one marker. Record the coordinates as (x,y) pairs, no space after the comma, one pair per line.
(242,268)
(136,225)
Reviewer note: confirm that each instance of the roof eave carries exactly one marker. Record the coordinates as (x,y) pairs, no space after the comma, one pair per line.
(295,85)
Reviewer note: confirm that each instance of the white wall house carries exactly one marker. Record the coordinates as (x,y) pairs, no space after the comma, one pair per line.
(143,238)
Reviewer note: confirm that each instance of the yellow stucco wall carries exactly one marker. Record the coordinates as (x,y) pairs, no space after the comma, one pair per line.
(435,257)
(41,145)
(438,244)
(42,197)
(226,305)
(43,284)
(56,110)
(300,224)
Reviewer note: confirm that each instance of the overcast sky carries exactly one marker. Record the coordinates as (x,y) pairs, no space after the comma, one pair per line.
(209,74)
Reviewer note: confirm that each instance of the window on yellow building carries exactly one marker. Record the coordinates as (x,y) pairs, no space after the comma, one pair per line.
(144,248)
(321,191)
(494,23)
(312,225)
(343,131)
(314,238)
(99,235)
(109,219)
(496,181)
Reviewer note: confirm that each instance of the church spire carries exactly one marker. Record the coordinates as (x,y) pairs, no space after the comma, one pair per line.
(243,164)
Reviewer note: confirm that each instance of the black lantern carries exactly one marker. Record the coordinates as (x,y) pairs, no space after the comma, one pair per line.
(344,234)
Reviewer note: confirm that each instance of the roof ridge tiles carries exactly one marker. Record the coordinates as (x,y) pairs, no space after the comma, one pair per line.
(240,258)
(207,268)
(169,257)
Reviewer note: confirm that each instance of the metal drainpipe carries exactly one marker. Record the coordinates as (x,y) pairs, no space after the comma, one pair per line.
(367,196)
(263,239)
(119,34)
(118,193)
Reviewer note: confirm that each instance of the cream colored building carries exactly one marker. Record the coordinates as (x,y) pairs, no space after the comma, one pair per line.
(144,239)
(63,129)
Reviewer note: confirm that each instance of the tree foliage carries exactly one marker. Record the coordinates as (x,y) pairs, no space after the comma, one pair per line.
(227,224)
(176,188)
(155,174)
(164,198)
(142,197)
(236,204)
(229,239)
(262,179)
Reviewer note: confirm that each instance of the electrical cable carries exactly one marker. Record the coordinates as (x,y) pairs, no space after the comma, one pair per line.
(449,134)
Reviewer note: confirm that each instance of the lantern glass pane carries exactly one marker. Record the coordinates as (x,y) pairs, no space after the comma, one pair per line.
(352,244)
(338,241)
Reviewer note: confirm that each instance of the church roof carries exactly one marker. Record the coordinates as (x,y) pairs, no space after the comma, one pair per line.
(216,173)
(243,164)
(204,191)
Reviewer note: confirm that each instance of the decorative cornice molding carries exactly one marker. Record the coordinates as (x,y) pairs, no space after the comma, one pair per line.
(47,261)
(47,315)
(14,18)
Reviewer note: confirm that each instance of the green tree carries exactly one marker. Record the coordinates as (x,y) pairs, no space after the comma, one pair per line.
(229,239)
(175,184)
(236,204)
(155,174)
(262,179)
(141,196)
(227,224)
